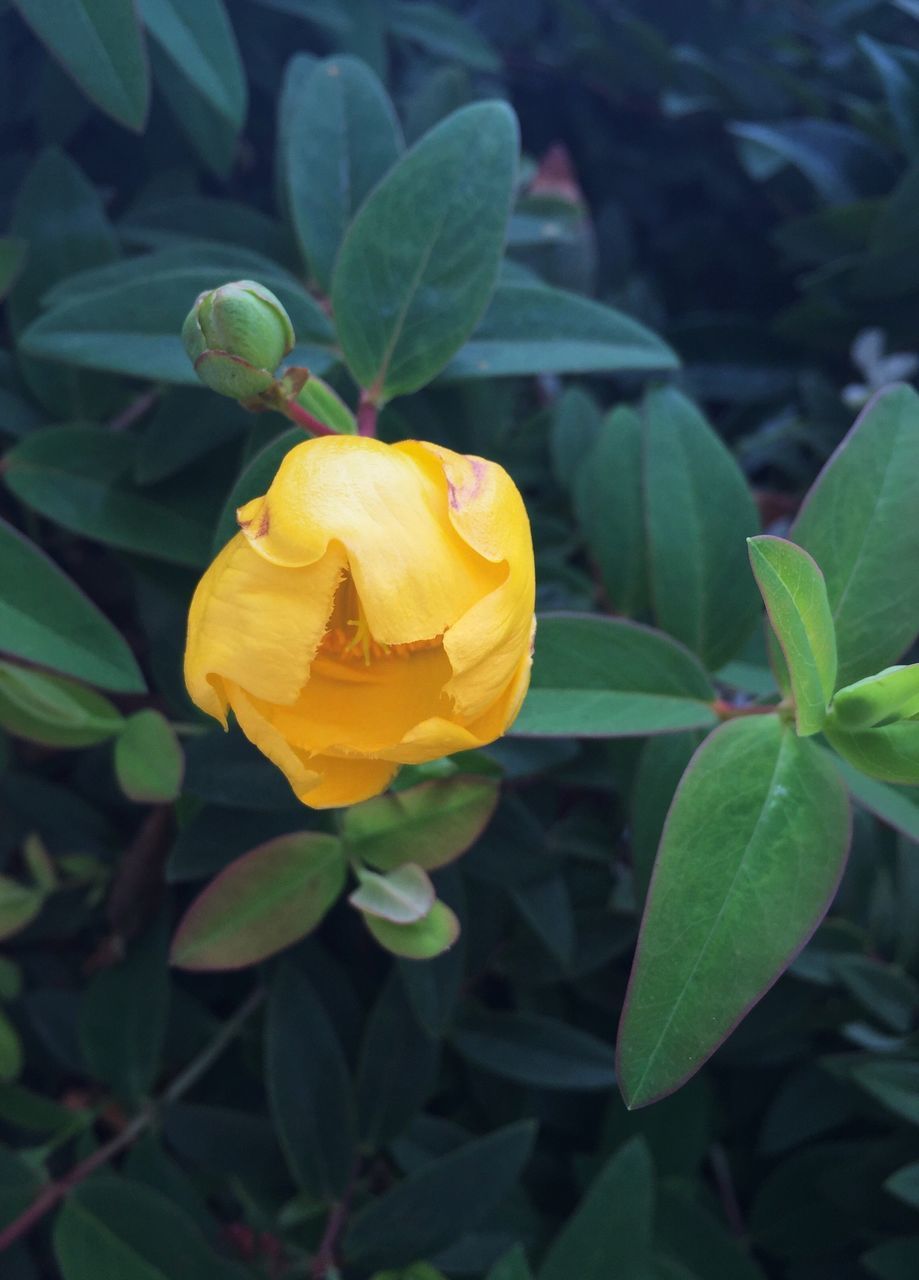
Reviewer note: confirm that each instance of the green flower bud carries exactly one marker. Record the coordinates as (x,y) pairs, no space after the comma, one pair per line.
(236,336)
(892,694)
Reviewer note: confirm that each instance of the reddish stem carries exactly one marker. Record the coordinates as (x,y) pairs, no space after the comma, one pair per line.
(298,414)
(324,1259)
(366,416)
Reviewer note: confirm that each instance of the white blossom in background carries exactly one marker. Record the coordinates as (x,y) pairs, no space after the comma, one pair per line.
(877,368)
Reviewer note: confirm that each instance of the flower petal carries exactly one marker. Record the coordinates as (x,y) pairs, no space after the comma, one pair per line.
(257,625)
(414,572)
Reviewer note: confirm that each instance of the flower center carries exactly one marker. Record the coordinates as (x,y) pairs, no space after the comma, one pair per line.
(348,636)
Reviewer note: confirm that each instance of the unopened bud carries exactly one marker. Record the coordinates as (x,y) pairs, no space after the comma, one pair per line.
(236,336)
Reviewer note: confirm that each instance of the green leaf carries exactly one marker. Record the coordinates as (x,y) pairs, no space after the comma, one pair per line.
(608,678)
(576,423)
(840,161)
(700,580)
(338,136)
(889,753)
(442,32)
(128,318)
(794,591)
(53,711)
(45,618)
(530,329)
(536,1050)
(661,766)
(398,1067)
(253,481)
(112,1227)
(892,694)
(13,251)
(423,940)
(79,477)
(309,1087)
(404,895)
(897,807)
(261,903)
(439,1202)
(123,1014)
(99,44)
(149,762)
(429,824)
(896,1259)
(897,69)
(199,40)
(513,1266)
(610,1232)
(904,1184)
(895,1084)
(607,501)
(756,839)
(858,524)
(19,905)
(404,304)
(11,1055)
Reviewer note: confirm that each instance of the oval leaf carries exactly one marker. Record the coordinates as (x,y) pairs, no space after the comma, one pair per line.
(607,678)
(756,840)
(263,902)
(53,711)
(404,304)
(889,753)
(422,940)
(149,762)
(794,592)
(536,1050)
(429,824)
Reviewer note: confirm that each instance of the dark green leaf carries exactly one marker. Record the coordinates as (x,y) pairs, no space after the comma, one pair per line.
(199,40)
(441,32)
(98,43)
(840,161)
(308,1087)
(610,1232)
(530,329)
(700,581)
(756,840)
(576,423)
(857,522)
(405,304)
(45,618)
(338,136)
(536,1050)
(398,1066)
(603,677)
(12,259)
(893,805)
(261,903)
(897,69)
(254,480)
(513,1266)
(795,594)
(439,1202)
(19,905)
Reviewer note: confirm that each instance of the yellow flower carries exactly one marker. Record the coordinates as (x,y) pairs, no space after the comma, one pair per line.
(376,609)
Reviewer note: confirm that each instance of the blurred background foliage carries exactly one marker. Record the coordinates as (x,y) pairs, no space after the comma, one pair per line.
(743,178)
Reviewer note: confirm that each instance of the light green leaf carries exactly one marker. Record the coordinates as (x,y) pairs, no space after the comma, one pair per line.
(794,591)
(404,304)
(79,477)
(898,807)
(531,329)
(45,618)
(858,522)
(199,40)
(889,753)
(149,763)
(338,136)
(700,580)
(263,902)
(610,1232)
(608,678)
(402,896)
(892,694)
(423,939)
(99,44)
(53,711)
(756,840)
(429,824)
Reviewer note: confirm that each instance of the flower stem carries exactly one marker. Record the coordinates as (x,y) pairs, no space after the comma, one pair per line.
(367,411)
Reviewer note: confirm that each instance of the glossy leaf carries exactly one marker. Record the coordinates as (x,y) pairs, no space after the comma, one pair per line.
(149,763)
(405,304)
(439,1202)
(429,824)
(607,678)
(794,591)
(339,135)
(309,1087)
(199,40)
(99,44)
(701,586)
(530,329)
(434,933)
(536,1050)
(608,504)
(756,839)
(45,618)
(610,1232)
(54,711)
(79,477)
(261,903)
(857,524)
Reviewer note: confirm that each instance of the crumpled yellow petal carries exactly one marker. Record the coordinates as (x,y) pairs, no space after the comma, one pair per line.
(415,574)
(486,509)
(257,625)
